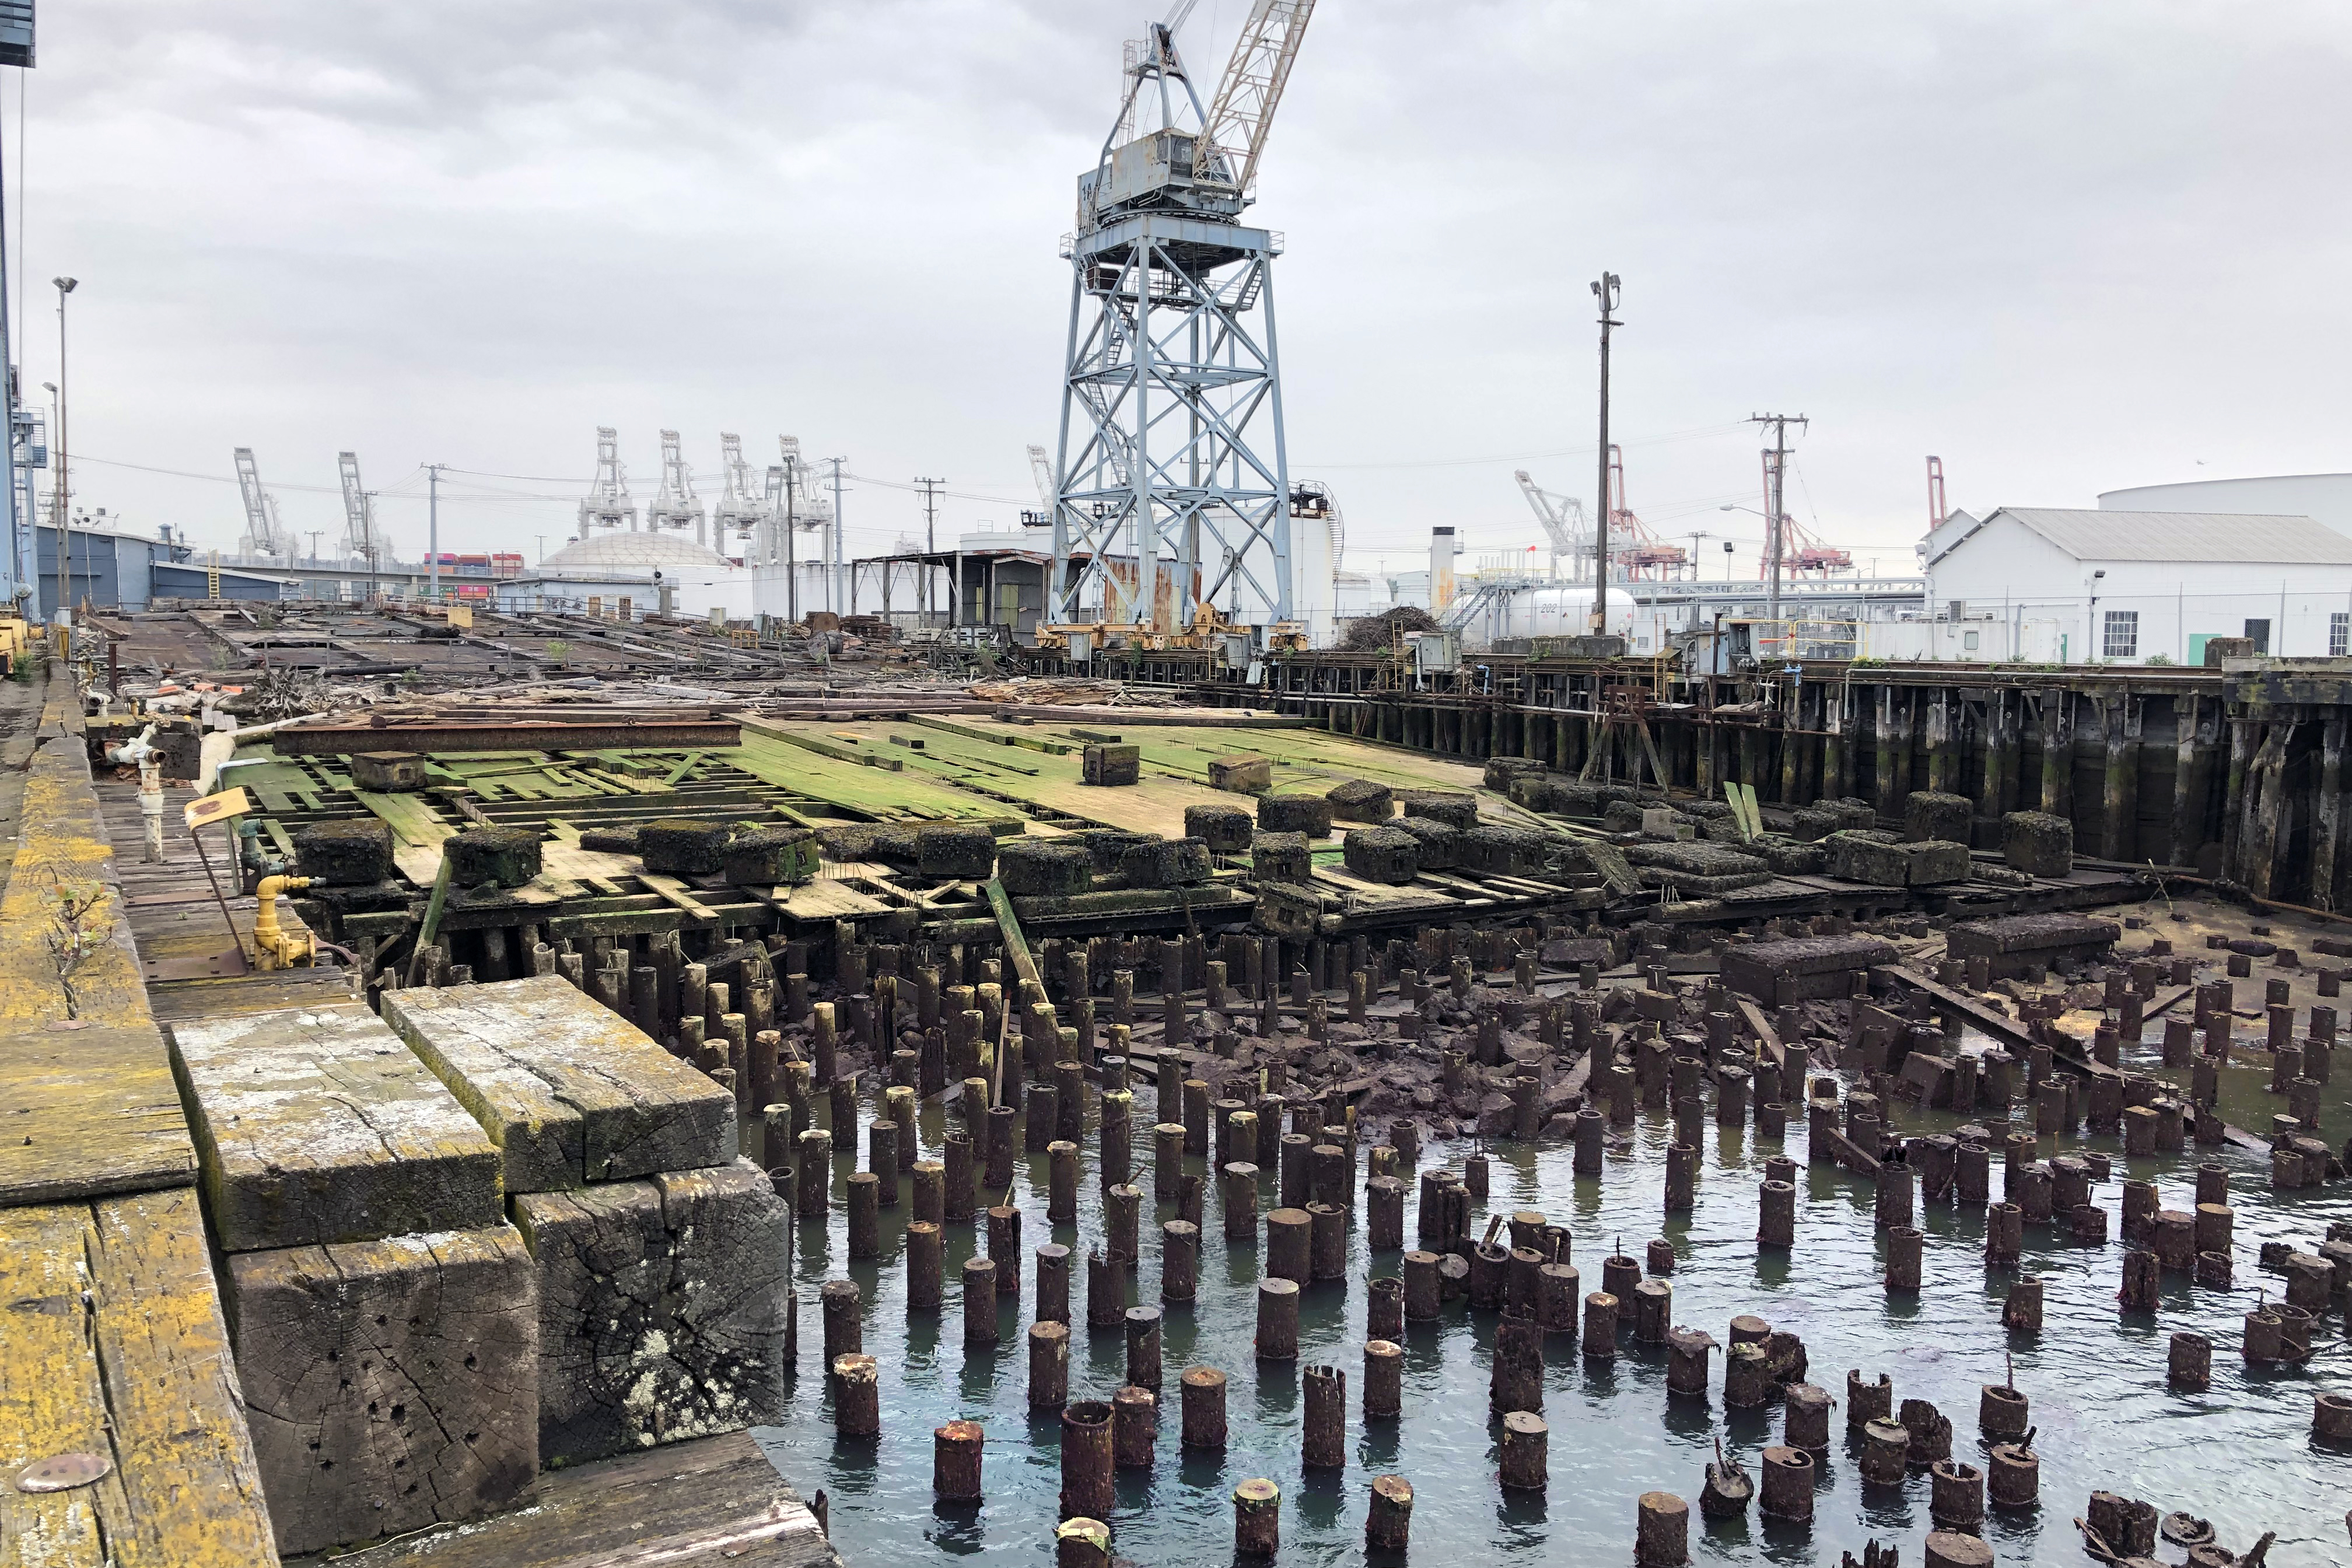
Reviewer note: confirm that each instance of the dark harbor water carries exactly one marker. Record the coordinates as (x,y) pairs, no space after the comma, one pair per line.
(2240,1455)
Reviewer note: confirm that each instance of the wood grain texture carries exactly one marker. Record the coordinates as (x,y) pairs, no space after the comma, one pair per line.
(570,1091)
(716,1502)
(390,1384)
(320,1126)
(664,1308)
(87,1113)
(64,844)
(115,1344)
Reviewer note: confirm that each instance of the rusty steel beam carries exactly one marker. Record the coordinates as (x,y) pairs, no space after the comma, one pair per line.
(344,739)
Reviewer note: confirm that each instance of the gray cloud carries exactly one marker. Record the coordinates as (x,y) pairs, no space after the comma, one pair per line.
(2066,248)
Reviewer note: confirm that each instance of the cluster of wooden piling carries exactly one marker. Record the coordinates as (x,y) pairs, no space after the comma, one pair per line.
(1020,1073)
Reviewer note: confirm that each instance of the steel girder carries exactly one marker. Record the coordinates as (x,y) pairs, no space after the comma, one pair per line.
(1174,478)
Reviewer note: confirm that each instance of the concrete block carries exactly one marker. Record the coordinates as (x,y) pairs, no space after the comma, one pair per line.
(1225,830)
(688,846)
(388,773)
(1867,858)
(1281,858)
(1362,800)
(1821,966)
(390,1385)
(1501,771)
(1787,857)
(965,850)
(663,1309)
(1929,814)
(1812,826)
(1055,869)
(320,1126)
(764,857)
(492,857)
(1307,813)
(1382,854)
(347,854)
(1494,849)
(1440,843)
(2013,943)
(1167,863)
(570,1091)
(2038,844)
(1108,847)
(1698,868)
(1453,807)
(1243,775)
(1109,764)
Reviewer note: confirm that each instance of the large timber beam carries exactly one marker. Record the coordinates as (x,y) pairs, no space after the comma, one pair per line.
(344,739)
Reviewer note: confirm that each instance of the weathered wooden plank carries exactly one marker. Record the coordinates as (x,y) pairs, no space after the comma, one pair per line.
(320,1126)
(717,1502)
(664,1308)
(115,1345)
(48,969)
(87,1113)
(569,1090)
(392,1384)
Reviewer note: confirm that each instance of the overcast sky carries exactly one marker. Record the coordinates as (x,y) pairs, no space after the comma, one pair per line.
(2067,247)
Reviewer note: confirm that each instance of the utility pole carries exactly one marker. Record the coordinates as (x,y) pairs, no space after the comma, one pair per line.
(1605,291)
(64,484)
(433,533)
(21,570)
(833,571)
(1776,467)
(931,535)
(791,548)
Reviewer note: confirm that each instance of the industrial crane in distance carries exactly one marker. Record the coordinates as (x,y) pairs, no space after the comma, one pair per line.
(1171,489)
(263,534)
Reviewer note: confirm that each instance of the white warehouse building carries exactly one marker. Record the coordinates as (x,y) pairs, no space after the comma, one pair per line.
(2043,585)
(2325,498)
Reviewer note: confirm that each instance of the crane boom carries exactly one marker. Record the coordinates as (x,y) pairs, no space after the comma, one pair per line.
(1243,111)
(1042,467)
(360,537)
(261,536)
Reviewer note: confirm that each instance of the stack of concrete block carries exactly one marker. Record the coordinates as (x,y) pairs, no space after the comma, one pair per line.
(661,1259)
(1697,869)
(1497,851)
(2011,945)
(382,1313)
(1876,858)
(1804,968)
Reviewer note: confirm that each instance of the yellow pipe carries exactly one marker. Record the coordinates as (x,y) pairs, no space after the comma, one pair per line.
(275,947)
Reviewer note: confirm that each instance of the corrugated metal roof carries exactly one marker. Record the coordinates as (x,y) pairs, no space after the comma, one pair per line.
(2188,536)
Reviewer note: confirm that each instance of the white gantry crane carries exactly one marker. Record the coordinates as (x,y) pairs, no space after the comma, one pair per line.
(676,505)
(607,503)
(1171,491)
(738,508)
(1565,525)
(1042,467)
(363,541)
(263,536)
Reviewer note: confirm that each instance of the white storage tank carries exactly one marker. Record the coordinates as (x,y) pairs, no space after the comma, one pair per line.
(1567,611)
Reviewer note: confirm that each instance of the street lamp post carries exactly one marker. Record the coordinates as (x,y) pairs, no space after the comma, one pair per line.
(64,467)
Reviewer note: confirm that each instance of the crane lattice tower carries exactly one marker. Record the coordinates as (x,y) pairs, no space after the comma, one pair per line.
(1172,490)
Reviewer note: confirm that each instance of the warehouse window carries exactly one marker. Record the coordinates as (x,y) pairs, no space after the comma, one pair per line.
(2122,640)
(2339,634)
